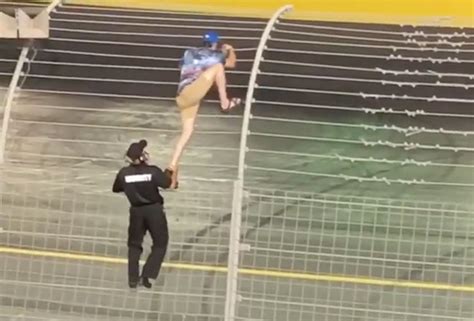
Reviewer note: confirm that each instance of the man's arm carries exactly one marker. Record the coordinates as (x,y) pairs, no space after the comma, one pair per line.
(117,187)
(231,57)
(162,179)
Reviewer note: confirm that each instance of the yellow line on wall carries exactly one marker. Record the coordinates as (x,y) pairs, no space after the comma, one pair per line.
(250,272)
(458,13)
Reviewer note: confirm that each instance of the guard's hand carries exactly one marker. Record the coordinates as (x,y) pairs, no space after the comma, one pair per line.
(168,172)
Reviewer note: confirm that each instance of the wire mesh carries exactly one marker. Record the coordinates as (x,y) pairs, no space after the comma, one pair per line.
(373,124)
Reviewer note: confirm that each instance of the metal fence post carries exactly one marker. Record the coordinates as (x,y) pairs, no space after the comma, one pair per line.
(234,249)
(236,220)
(9,101)
(12,87)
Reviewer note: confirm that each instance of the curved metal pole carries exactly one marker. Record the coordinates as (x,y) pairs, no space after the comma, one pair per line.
(9,101)
(235,228)
(53,5)
(13,85)
(252,83)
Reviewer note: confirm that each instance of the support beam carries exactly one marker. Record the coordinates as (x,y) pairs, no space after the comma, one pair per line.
(43,19)
(9,101)
(8,28)
(33,28)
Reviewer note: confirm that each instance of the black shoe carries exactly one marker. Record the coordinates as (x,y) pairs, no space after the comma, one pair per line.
(146,283)
(133,284)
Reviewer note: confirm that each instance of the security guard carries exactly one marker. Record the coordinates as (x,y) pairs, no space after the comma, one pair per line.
(140,182)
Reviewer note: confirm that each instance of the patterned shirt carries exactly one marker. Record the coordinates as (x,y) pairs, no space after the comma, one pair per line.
(195,61)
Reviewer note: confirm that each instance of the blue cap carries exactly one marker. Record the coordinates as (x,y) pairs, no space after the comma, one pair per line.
(211,37)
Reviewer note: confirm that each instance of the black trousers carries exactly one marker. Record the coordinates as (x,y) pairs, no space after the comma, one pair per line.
(149,218)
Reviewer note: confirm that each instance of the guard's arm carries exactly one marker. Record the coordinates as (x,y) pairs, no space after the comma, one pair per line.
(117,187)
(162,179)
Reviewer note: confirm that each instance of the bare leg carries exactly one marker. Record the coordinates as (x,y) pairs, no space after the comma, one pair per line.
(186,133)
(216,74)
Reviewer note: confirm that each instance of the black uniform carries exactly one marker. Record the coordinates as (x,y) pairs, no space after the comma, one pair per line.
(140,183)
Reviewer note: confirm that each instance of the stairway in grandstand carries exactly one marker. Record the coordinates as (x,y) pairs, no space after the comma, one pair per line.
(105,77)
(134,53)
(384,106)
(360,108)
(8,59)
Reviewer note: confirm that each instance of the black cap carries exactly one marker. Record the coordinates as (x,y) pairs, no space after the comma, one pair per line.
(135,150)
